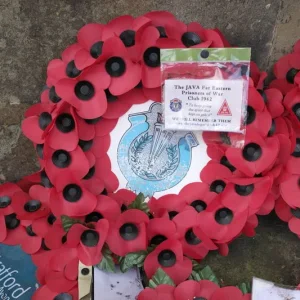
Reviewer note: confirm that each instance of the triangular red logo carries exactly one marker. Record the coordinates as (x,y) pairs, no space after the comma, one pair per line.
(224,110)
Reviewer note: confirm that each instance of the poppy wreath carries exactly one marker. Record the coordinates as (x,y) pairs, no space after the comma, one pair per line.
(72,209)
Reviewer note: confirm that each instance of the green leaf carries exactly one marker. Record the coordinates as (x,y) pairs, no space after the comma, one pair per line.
(68,222)
(245,287)
(205,273)
(160,277)
(139,203)
(134,259)
(107,263)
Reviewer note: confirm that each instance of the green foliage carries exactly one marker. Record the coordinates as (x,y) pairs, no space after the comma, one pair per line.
(68,222)
(139,203)
(160,277)
(107,263)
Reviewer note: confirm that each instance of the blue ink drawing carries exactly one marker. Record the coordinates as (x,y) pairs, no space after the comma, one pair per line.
(153,159)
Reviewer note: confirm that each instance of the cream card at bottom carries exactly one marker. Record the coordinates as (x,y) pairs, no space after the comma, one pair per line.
(117,286)
(266,290)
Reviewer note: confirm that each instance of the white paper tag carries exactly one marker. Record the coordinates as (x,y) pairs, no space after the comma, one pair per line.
(266,290)
(203,104)
(117,286)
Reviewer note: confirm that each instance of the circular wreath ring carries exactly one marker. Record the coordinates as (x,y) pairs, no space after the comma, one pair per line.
(73,210)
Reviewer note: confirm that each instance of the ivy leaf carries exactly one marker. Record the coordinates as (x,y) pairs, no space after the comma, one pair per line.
(160,277)
(205,273)
(68,222)
(134,259)
(139,203)
(107,263)
(245,287)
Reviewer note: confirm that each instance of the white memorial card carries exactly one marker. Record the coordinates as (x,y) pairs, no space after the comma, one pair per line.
(203,104)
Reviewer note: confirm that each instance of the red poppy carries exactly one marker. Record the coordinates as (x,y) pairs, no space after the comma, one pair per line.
(56,236)
(42,225)
(251,224)
(124,74)
(216,176)
(38,119)
(89,242)
(288,214)
(106,208)
(161,292)
(117,106)
(153,94)
(258,117)
(105,126)
(100,175)
(123,197)
(229,293)
(31,242)
(91,38)
(167,206)
(45,293)
(60,163)
(191,289)
(70,198)
(257,76)
(126,27)
(267,206)
(33,205)
(257,155)
(169,257)
(274,103)
(150,55)
(292,104)
(246,193)
(194,35)
(197,195)
(290,189)
(195,243)
(7,190)
(13,231)
(293,163)
(128,233)
(288,67)
(222,139)
(221,223)
(297,47)
(86,93)
(159,230)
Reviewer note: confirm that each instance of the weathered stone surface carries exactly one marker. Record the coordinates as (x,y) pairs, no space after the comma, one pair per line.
(33,32)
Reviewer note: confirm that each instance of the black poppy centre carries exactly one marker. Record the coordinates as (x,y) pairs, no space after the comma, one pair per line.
(110,97)
(152,57)
(272,129)
(90,238)
(92,121)
(45,180)
(65,123)
(244,190)
(296,152)
(5,201)
(224,216)
(252,152)
(84,90)
(11,221)
(291,74)
(166,258)
(162,32)
(128,38)
(72,193)
(61,159)
(54,98)
(217,186)
(190,39)
(40,150)
(44,120)
(172,214)
(32,206)
(93,217)
(251,115)
(199,205)
(29,231)
(157,239)
(129,231)
(296,110)
(115,66)
(264,95)
(296,212)
(199,298)
(225,162)
(85,145)
(96,49)
(191,238)
(90,173)
(51,219)
(63,296)
(71,70)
